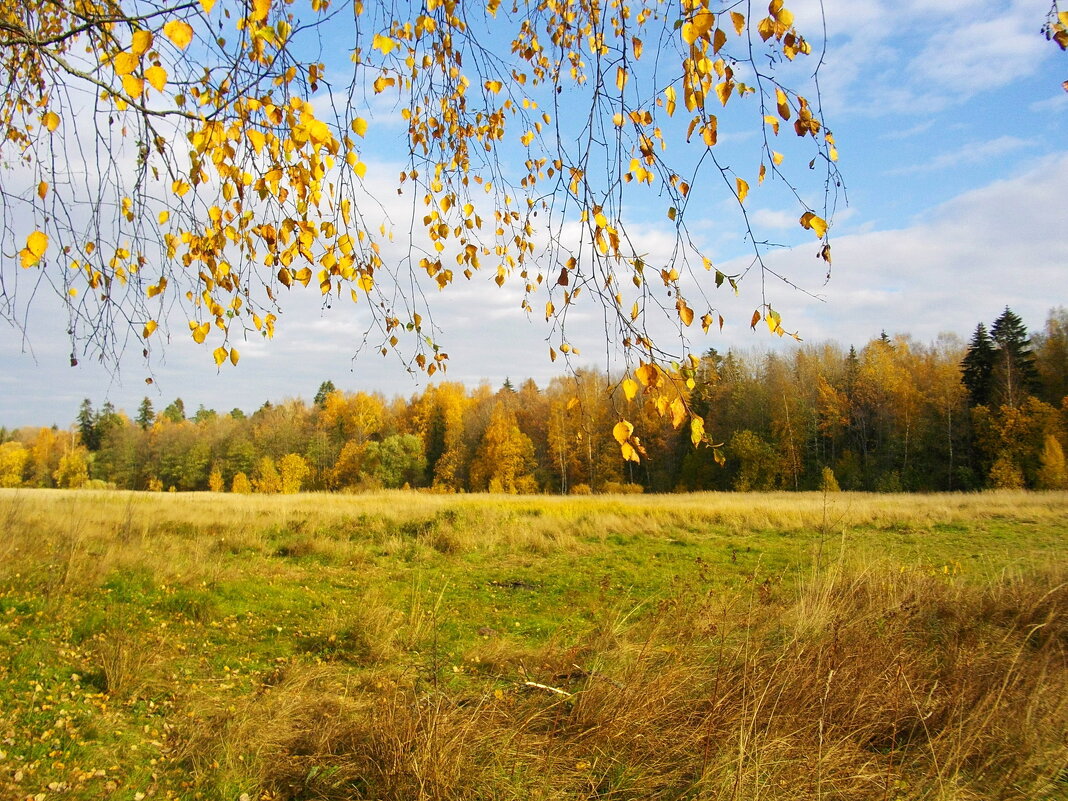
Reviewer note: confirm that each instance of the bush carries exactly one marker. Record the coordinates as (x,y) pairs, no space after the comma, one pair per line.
(581,489)
(828,483)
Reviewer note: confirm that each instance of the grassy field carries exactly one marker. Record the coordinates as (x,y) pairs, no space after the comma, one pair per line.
(415,646)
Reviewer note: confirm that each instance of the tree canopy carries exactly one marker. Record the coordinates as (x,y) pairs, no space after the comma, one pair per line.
(175,163)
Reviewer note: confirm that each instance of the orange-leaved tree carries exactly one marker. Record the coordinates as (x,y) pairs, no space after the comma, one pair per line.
(186,162)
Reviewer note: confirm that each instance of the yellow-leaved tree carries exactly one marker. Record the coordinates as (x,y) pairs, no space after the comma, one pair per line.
(182,164)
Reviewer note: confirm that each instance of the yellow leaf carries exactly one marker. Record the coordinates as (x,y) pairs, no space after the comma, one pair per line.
(124,63)
(382,82)
(630,388)
(260,10)
(647,375)
(703,21)
(220,355)
(234,356)
(678,412)
(743,189)
(133,86)
(723,91)
(629,454)
(383,43)
(360,169)
(782,104)
(179,32)
(739,22)
(207,5)
(157,76)
(164,216)
(36,245)
(812,222)
(359,126)
(494,86)
(685,312)
(141,42)
(366,282)
(636,45)
(622,431)
(776,157)
(150,326)
(697,430)
(51,121)
(42,189)
(200,332)
(621,78)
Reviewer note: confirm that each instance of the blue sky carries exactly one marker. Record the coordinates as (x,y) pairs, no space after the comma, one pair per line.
(951,124)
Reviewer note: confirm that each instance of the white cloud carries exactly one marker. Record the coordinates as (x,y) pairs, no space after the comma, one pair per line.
(967,153)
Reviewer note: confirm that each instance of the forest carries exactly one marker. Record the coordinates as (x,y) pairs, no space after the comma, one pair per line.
(894,415)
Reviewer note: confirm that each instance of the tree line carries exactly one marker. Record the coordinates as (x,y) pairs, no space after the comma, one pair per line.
(895,415)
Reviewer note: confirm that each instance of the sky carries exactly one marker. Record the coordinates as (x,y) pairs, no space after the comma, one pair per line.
(952,128)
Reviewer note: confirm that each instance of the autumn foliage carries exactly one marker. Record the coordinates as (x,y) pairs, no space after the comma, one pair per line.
(895,415)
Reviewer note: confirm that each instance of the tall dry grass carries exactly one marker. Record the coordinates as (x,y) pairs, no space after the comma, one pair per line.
(866,683)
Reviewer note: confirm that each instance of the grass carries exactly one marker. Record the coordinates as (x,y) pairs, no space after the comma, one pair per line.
(415,646)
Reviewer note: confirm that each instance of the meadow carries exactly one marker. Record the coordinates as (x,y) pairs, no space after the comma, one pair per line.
(403,645)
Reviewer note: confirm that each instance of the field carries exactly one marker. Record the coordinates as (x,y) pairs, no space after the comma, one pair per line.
(414,646)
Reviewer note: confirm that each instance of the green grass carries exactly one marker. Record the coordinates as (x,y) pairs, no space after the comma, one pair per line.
(405,645)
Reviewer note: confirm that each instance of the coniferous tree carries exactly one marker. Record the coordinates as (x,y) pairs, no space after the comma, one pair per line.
(977,367)
(146,415)
(1014,374)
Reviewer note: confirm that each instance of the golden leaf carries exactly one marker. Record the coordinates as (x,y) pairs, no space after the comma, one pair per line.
(220,355)
(124,63)
(621,78)
(630,388)
(150,327)
(629,454)
(622,431)
(685,312)
(42,189)
(179,32)
(133,86)
(366,282)
(494,86)
(359,126)
(697,430)
(207,5)
(234,356)
(636,45)
(782,104)
(723,91)
(260,9)
(141,42)
(755,319)
(164,216)
(200,332)
(157,76)
(36,245)
(678,412)
(739,22)
(647,374)
(812,222)
(743,189)
(383,43)
(51,121)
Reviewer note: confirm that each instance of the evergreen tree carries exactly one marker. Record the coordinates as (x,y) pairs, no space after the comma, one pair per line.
(87,425)
(323,393)
(977,367)
(146,415)
(1014,375)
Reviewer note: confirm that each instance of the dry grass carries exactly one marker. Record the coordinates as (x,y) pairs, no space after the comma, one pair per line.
(410,646)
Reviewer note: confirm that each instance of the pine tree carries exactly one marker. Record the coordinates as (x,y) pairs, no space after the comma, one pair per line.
(146,415)
(87,425)
(323,393)
(1014,374)
(977,367)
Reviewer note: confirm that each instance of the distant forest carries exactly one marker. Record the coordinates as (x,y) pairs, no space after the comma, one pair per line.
(893,416)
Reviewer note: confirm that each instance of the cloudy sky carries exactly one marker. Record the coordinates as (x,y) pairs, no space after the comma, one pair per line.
(951,123)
